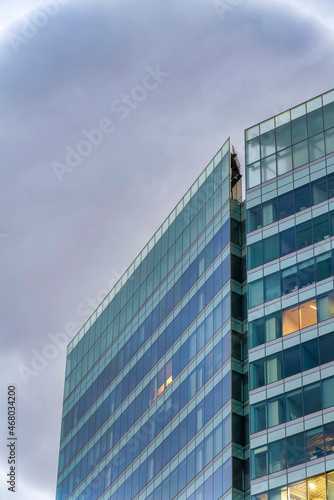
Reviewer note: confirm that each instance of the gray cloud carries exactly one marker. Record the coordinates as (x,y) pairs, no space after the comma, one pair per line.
(66,241)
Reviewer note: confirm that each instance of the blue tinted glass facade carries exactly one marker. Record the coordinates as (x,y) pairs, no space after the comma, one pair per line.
(290,202)
(155,402)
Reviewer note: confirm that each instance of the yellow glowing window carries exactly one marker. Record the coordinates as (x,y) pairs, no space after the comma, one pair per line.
(169,381)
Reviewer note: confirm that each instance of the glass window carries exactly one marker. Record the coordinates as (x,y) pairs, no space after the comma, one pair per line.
(267,143)
(305,273)
(258,417)
(255,293)
(321,228)
(253,174)
(256,374)
(316,146)
(292,361)
(290,320)
(252,150)
(295,449)
(270,248)
(315,122)
(289,280)
(269,212)
(329,115)
(299,129)
(310,354)
(329,140)
(308,314)
(319,190)
(284,161)
(268,168)
(329,438)
(326,347)
(277,455)
(330,483)
(272,286)
(276,411)
(294,404)
(297,491)
(256,332)
(316,488)
(327,392)
(254,218)
(283,136)
(285,205)
(314,443)
(274,368)
(312,398)
(300,154)
(273,326)
(330,182)
(287,241)
(304,234)
(302,198)
(254,255)
(323,266)
(259,462)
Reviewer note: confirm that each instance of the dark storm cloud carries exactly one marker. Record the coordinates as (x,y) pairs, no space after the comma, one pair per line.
(67,241)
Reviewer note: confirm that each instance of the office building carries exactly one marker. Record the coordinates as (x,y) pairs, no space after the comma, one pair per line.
(201,376)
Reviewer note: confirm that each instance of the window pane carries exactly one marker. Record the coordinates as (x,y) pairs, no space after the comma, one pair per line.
(274,368)
(329,140)
(285,205)
(290,320)
(253,173)
(268,168)
(276,456)
(292,361)
(300,154)
(295,449)
(330,484)
(315,122)
(319,190)
(329,115)
(316,146)
(283,136)
(330,181)
(304,234)
(255,293)
(329,438)
(284,161)
(256,374)
(314,443)
(254,255)
(323,266)
(259,462)
(321,228)
(289,280)
(270,248)
(252,150)
(258,417)
(294,405)
(312,398)
(272,287)
(327,392)
(267,141)
(287,241)
(269,211)
(254,218)
(273,326)
(302,198)
(299,129)
(308,314)
(310,354)
(305,273)
(326,347)
(276,411)
(256,332)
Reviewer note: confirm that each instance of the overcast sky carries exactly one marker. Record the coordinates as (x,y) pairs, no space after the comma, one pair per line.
(198,72)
